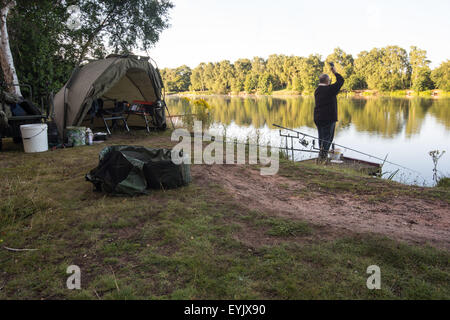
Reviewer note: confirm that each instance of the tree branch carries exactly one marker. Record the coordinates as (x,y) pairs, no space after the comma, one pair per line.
(94,33)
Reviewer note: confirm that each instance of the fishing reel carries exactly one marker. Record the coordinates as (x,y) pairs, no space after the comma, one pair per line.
(303,142)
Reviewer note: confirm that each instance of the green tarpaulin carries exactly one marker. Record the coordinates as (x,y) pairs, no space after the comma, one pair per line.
(132,170)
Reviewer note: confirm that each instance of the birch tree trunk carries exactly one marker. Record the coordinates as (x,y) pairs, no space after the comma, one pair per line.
(6,58)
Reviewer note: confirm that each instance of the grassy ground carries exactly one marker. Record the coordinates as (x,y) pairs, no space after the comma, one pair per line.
(185,243)
(334,180)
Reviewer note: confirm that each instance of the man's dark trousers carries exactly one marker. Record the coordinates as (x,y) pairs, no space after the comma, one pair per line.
(326,136)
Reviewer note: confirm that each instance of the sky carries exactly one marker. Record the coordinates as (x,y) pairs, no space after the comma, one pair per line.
(215,30)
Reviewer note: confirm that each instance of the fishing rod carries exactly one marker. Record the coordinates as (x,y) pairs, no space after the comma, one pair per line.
(347,148)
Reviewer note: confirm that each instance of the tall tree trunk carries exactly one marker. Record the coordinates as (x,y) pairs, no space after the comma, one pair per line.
(6,58)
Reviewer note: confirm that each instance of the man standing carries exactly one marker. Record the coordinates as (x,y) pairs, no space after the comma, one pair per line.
(325,111)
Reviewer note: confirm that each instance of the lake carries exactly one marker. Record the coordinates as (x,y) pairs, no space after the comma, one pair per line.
(404,129)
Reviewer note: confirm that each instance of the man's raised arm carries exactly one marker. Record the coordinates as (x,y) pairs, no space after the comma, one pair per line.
(339,81)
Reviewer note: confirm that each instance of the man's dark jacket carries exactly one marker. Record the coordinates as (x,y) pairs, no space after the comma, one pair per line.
(326,102)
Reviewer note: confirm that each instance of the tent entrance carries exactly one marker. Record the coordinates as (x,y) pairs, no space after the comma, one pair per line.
(134,85)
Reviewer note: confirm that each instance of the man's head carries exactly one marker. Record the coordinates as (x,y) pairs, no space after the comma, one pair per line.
(324,79)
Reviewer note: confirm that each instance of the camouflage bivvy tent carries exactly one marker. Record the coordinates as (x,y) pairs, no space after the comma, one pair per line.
(118,77)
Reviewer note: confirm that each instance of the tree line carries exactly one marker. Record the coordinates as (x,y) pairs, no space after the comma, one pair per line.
(384,69)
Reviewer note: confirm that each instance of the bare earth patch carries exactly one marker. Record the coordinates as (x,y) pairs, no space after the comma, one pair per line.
(408,219)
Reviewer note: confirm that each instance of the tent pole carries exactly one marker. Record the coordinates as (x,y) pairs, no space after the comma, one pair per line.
(65,116)
(167,108)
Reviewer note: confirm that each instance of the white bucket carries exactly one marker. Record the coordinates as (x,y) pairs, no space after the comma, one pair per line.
(34,137)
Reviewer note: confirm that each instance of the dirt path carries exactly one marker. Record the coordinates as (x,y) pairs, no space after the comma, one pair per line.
(413,220)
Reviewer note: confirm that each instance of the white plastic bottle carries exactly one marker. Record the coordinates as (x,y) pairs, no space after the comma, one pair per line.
(89,137)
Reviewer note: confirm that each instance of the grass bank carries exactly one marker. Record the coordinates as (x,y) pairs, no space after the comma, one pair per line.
(187,243)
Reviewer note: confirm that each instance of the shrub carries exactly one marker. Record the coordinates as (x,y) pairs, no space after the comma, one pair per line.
(444,183)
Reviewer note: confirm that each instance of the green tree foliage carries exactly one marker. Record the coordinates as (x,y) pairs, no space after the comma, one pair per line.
(275,67)
(344,65)
(355,82)
(198,78)
(364,67)
(242,68)
(265,85)
(297,85)
(176,80)
(310,70)
(46,50)
(385,69)
(224,75)
(441,76)
(209,75)
(258,65)
(420,70)
(251,82)
(394,69)
(123,25)
(292,66)
(42,58)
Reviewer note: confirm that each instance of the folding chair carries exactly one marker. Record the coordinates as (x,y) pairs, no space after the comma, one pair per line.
(115,114)
(145,110)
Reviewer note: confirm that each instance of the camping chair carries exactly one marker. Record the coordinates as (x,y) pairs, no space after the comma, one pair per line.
(117,113)
(146,110)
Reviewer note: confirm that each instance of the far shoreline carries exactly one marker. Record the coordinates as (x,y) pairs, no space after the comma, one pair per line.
(432,94)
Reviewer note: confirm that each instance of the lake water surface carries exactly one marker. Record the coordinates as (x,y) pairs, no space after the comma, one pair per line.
(403,129)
